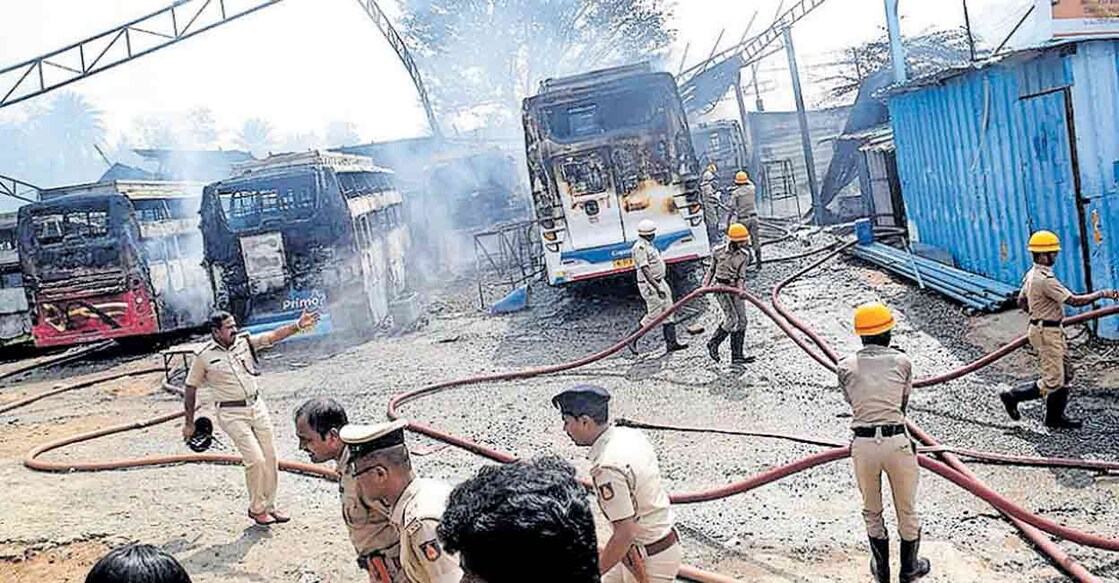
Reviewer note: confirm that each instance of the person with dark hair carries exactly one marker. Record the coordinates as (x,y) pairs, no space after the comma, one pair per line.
(137,563)
(876,382)
(318,423)
(535,511)
(1043,297)
(228,365)
(627,483)
(379,461)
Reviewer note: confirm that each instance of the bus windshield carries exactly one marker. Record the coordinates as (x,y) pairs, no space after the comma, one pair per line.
(253,203)
(71,226)
(605,113)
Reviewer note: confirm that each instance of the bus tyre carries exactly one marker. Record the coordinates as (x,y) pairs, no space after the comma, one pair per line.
(685,278)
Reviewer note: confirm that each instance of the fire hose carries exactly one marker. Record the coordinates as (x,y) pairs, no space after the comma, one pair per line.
(953,470)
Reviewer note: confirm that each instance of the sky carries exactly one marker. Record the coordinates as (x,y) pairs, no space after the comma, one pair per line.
(301,64)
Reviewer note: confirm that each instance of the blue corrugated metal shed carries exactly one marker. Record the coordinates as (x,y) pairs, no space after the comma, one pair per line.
(988,154)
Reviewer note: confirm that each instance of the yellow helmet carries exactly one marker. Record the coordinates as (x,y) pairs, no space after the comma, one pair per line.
(738,233)
(741,177)
(873,319)
(1044,242)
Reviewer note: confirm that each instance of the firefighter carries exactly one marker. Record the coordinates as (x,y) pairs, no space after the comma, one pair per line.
(379,461)
(228,366)
(728,268)
(709,191)
(651,272)
(643,546)
(876,382)
(318,423)
(743,209)
(1042,297)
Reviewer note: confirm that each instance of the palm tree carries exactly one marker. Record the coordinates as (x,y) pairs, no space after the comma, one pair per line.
(63,137)
(256,136)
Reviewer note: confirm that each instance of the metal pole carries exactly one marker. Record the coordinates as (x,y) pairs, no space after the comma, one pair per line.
(897,51)
(970,38)
(741,100)
(758,103)
(802,117)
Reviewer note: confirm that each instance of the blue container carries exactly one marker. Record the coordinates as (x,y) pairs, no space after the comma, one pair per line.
(864,232)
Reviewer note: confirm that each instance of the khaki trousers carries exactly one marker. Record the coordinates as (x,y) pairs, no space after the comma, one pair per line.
(755,236)
(662,567)
(734,312)
(250,428)
(654,305)
(1052,355)
(894,456)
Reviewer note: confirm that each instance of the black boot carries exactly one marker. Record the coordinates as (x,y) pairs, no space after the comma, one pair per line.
(670,343)
(715,342)
(880,559)
(1023,392)
(1055,411)
(737,343)
(913,567)
(758,259)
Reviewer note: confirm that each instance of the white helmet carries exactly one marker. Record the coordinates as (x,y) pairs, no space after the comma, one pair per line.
(646,227)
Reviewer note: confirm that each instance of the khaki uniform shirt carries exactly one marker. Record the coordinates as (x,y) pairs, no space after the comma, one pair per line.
(230,372)
(627,482)
(645,254)
(1045,294)
(368,523)
(730,265)
(415,516)
(742,202)
(876,382)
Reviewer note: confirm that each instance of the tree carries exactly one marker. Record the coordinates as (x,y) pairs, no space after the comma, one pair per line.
(201,128)
(62,140)
(256,136)
(299,142)
(481,57)
(154,132)
(924,54)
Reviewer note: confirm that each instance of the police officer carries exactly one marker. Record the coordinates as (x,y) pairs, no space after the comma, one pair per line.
(728,268)
(876,381)
(651,282)
(379,461)
(1043,297)
(318,423)
(743,209)
(709,192)
(228,365)
(627,483)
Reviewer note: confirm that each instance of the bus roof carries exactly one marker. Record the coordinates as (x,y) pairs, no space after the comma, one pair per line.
(131,189)
(278,163)
(595,77)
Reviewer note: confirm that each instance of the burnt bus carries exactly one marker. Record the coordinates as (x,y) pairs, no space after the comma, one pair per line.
(319,231)
(605,150)
(15,320)
(112,260)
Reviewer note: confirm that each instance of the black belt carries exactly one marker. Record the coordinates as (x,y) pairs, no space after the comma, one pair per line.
(659,546)
(887,430)
(239,403)
(1046,323)
(724,282)
(378,564)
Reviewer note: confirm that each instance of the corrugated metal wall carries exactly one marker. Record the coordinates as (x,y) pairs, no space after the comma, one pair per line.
(1095,96)
(985,159)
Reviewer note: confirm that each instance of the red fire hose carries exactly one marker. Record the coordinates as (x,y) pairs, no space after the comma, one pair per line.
(954,470)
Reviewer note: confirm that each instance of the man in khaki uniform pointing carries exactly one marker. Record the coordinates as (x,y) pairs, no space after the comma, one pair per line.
(318,425)
(379,460)
(228,365)
(1043,296)
(876,382)
(644,546)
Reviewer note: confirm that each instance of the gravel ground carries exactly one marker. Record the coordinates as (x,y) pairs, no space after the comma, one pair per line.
(805,528)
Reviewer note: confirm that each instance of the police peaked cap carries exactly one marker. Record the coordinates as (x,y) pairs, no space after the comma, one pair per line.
(365,439)
(582,400)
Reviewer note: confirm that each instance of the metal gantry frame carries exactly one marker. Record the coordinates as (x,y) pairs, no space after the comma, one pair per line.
(162,28)
(506,257)
(119,45)
(18,189)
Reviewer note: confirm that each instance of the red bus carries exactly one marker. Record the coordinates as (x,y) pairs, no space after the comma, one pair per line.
(113,260)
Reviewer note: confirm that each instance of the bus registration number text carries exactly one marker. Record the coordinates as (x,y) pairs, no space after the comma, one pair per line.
(623,263)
